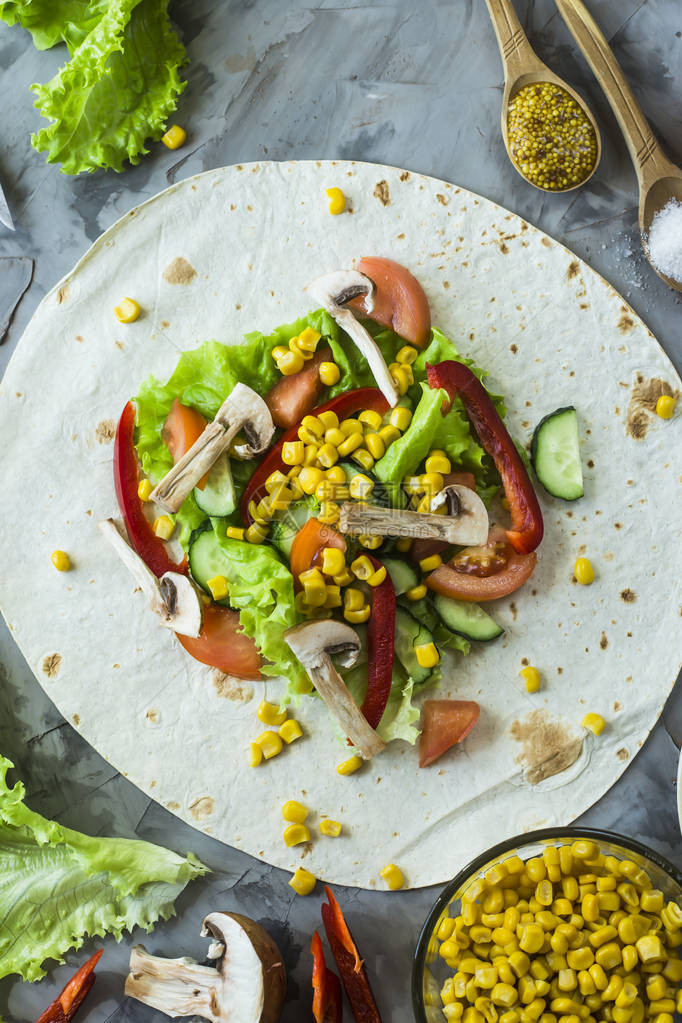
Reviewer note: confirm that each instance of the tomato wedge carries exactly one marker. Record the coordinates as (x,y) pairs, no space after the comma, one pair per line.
(308,544)
(399,302)
(484,573)
(445,723)
(294,397)
(183,425)
(221,645)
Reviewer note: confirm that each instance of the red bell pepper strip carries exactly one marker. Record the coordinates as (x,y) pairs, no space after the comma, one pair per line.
(65,1005)
(380,639)
(458,380)
(327,1007)
(126,478)
(344,405)
(350,964)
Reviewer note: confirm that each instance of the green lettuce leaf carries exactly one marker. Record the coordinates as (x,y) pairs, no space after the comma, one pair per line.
(405,454)
(117,90)
(399,718)
(58,886)
(54,21)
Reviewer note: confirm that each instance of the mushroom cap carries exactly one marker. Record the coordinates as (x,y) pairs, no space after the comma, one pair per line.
(464,503)
(257,424)
(313,642)
(340,286)
(250,968)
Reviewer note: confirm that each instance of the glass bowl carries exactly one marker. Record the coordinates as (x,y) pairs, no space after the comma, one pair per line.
(429,970)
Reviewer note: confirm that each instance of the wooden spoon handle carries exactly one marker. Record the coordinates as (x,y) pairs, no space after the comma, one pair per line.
(645,151)
(515,50)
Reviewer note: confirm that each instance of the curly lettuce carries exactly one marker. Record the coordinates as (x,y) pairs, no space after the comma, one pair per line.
(54,21)
(58,886)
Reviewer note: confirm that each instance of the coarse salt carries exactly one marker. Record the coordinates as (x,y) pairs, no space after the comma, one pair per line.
(664,241)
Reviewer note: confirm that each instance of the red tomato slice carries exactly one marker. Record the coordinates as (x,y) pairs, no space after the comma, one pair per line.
(182,427)
(484,573)
(223,646)
(421,549)
(294,397)
(445,723)
(399,302)
(308,543)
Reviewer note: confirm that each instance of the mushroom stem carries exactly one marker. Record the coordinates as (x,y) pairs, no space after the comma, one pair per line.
(178,987)
(467,526)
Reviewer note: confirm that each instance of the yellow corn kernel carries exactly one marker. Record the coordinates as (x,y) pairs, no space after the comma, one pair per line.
(295,346)
(329,512)
(333,561)
(278,352)
(393,876)
(264,510)
(290,730)
(402,376)
(330,828)
(60,560)
(363,458)
(427,655)
(583,571)
(333,596)
(337,201)
(307,437)
(270,743)
(313,426)
(127,311)
(218,587)
(416,592)
(406,355)
(375,446)
(174,137)
(350,444)
(310,454)
(296,834)
(369,541)
(256,533)
(344,578)
(454,1010)
(370,418)
(389,434)
(255,754)
(361,487)
(650,949)
(504,994)
(545,895)
(595,723)
(665,406)
(438,463)
(328,419)
(531,676)
(652,901)
(309,479)
(144,489)
(404,544)
(314,587)
(602,935)
(328,455)
(362,568)
(164,527)
(609,955)
(281,498)
(424,505)
(519,962)
(357,617)
(376,578)
(308,339)
(270,714)
(292,452)
(485,977)
(431,483)
(349,766)
(294,812)
(290,363)
(350,426)
(303,882)
(532,938)
(337,475)
(431,564)
(334,436)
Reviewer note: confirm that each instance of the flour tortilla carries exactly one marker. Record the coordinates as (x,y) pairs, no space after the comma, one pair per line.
(230,251)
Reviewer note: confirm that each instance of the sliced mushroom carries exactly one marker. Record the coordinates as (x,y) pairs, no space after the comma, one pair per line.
(314,644)
(332,291)
(466,524)
(243,410)
(173,598)
(247,985)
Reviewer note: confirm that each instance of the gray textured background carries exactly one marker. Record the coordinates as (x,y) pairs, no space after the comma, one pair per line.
(415,84)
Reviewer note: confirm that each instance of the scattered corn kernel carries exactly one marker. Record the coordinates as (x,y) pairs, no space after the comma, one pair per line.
(60,560)
(337,201)
(127,311)
(144,489)
(330,828)
(349,426)
(361,487)
(344,579)
(329,512)
(351,443)
(333,561)
(303,882)
(349,766)
(404,544)
(371,419)
(174,137)
(328,455)
(402,376)
(431,564)
(235,532)
(362,568)
(377,577)
(314,587)
(308,339)
(400,418)
(531,676)
(393,876)
(369,541)
(407,355)
(296,834)
(218,586)
(270,743)
(389,435)
(416,592)
(330,373)
(333,596)
(328,418)
(256,532)
(375,446)
(270,714)
(583,571)
(292,452)
(595,723)
(290,363)
(290,730)
(665,406)
(164,527)
(438,463)
(357,617)
(294,812)
(255,754)
(427,656)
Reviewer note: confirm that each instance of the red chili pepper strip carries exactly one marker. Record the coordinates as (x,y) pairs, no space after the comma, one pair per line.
(327,1007)
(350,964)
(380,639)
(344,405)
(126,478)
(66,1004)
(458,380)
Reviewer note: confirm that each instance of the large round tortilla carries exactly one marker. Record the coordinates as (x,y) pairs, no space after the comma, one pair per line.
(230,251)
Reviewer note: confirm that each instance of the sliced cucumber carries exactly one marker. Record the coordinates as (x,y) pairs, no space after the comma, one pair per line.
(467,619)
(423,610)
(555,454)
(410,633)
(286,526)
(207,558)
(218,496)
(403,576)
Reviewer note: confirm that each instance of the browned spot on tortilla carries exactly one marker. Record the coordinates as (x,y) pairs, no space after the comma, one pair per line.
(152,715)
(76,719)
(80,338)
(119,344)
(514,610)
(400,236)
(584,305)
(230,688)
(51,665)
(643,397)
(546,242)
(62,294)
(514,349)
(622,753)
(165,324)
(504,248)
(626,322)
(617,525)
(306,849)
(637,424)
(560,671)
(201,808)
(525,661)
(573,269)
(603,642)
(405,176)
(173,805)
(628,596)
(105,431)
(441,199)
(179,271)
(549,747)
(381,192)
(616,705)
(446,284)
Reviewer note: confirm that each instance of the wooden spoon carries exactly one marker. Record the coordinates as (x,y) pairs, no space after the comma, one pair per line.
(659,179)
(522,67)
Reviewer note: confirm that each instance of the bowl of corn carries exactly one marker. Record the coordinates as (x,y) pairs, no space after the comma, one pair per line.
(569,925)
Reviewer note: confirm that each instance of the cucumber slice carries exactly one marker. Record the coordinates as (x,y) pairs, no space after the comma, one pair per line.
(555,454)
(410,633)
(284,529)
(423,611)
(466,618)
(218,496)
(207,559)
(403,576)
